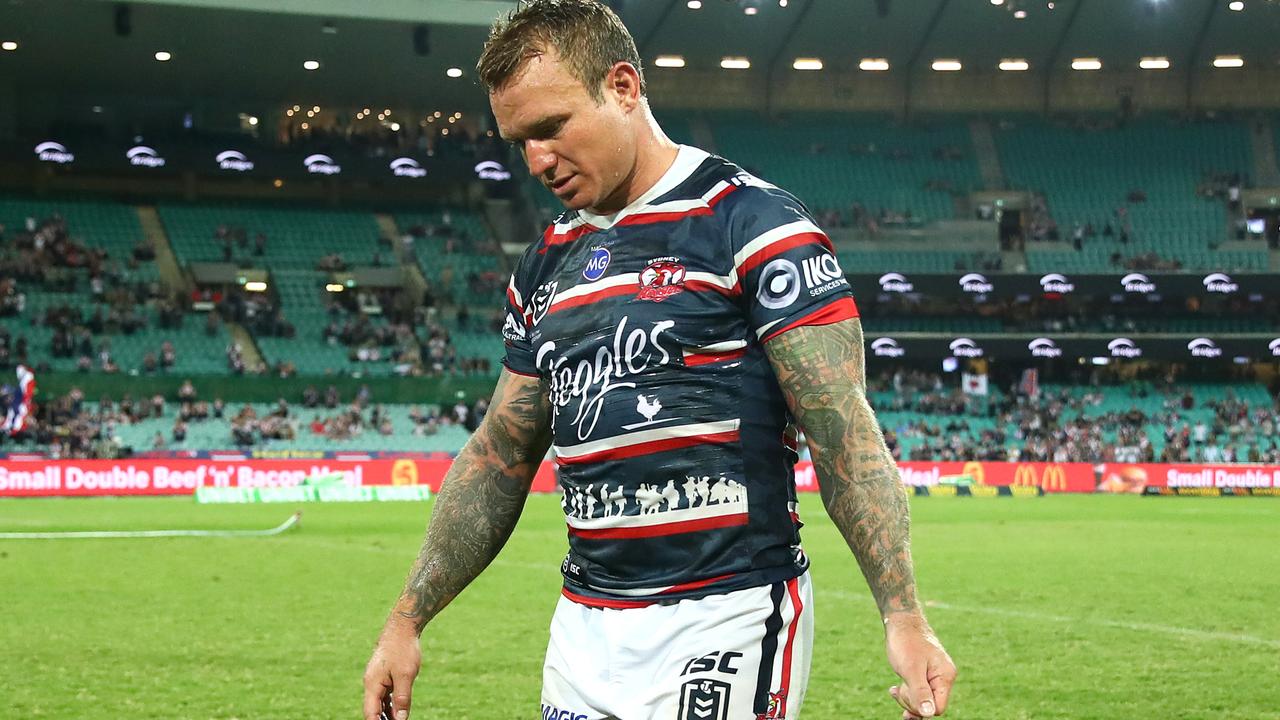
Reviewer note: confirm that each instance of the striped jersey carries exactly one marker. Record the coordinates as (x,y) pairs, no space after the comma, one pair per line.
(673,443)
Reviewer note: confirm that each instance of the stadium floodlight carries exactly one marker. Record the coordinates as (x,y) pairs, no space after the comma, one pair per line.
(1236,5)
(163,55)
(1228,61)
(735,63)
(10,45)
(395,127)
(454,72)
(311,65)
(1020,14)
(253,120)
(997,2)
(874,64)
(669,61)
(807,64)
(1154,63)
(750,10)
(1086,64)
(694,4)
(1014,65)
(335,287)
(947,65)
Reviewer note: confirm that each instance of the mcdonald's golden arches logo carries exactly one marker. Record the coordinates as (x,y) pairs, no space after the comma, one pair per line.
(404,472)
(1053,479)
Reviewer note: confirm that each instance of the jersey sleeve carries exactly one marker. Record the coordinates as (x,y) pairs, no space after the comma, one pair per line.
(785,265)
(519,356)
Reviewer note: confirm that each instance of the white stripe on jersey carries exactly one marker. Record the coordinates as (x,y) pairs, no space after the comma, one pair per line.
(765,239)
(646,436)
(665,517)
(593,287)
(727,282)
(715,348)
(767,327)
(511,287)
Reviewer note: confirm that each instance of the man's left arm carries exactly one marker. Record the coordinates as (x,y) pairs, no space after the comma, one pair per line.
(821,369)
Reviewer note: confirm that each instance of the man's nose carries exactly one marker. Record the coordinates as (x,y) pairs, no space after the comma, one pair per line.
(541,159)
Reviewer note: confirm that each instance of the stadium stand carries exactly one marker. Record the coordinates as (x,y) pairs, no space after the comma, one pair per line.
(294,238)
(1134,188)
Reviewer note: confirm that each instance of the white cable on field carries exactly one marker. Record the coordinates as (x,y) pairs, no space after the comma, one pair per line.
(112,534)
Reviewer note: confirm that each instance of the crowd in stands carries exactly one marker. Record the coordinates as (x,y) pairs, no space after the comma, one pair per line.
(70,427)
(1051,426)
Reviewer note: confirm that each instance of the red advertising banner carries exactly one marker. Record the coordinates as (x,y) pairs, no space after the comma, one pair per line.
(178,476)
(1135,478)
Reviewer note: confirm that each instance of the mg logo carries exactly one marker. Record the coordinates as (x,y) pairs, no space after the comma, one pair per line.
(887,347)
(964,347)
(597,264)
(1220,283)
(1137,283)
(896,283)
(976,283)
(1044,348)
(1205,348)
(1056,283)
(1124,348)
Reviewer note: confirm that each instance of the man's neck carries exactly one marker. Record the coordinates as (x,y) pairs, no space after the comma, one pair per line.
(654,157)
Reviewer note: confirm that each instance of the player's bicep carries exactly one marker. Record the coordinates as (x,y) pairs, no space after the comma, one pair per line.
(821,369)
(518,423)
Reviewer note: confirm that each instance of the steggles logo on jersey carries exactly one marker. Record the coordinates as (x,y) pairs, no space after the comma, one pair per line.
(597,265)
(704,700)
(779,284)
(661,278)
(822,274)
(631,353)
(540,303)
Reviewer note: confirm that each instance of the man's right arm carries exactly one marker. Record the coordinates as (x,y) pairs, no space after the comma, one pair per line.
(480,498)
(477,508)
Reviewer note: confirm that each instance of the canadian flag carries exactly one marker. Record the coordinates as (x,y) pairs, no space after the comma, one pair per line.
(973,384)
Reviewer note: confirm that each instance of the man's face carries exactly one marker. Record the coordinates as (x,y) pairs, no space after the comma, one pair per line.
(580,149)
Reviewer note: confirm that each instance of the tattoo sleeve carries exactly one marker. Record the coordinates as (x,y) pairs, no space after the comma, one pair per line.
(822,373)
(480,499)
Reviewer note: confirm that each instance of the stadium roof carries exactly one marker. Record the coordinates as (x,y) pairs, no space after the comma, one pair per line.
(230,49)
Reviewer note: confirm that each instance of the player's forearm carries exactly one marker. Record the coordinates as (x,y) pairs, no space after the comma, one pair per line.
(820,369)
(863,495)
(478,506)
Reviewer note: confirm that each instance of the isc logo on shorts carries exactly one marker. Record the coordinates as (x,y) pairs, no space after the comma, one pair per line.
(553,713)
(704,700)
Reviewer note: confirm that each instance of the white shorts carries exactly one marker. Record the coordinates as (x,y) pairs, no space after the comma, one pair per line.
(737,656)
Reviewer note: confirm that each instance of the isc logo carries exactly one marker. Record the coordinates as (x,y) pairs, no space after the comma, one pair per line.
(713,661)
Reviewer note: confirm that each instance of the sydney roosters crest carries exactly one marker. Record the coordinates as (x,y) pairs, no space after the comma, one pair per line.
(776,707)
(661,279)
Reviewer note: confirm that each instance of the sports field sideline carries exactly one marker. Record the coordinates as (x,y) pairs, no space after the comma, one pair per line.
(1056,607)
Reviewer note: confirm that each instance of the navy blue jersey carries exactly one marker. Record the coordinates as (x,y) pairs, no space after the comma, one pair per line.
(673,443)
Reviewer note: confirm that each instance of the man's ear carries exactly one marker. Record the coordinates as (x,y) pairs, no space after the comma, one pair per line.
(623,83)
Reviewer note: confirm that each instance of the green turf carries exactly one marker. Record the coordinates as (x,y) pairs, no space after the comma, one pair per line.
(1059,607)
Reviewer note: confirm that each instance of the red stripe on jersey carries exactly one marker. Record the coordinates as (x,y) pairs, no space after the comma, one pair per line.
(550,238)
(842,309)
(657,217)
(778,247)
(603,602)
(694,360)
(794,590)
(593,297)
(696,584)
(663,530)
(522,374)
(648,448)
(511,298)
(703,286)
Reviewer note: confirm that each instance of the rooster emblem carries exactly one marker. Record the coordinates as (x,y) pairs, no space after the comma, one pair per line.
(648,407)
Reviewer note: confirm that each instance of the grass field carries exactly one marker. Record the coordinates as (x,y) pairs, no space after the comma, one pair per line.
(1058,607)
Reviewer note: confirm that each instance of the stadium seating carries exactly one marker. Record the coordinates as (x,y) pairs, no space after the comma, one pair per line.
(1087,174)
(108,225)
(832,161)
(296,238)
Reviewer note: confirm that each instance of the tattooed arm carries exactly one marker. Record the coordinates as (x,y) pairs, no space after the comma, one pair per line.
(822,373)
(479,503)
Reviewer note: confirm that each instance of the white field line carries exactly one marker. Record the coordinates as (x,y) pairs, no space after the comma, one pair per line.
(136,534)
(1183,632)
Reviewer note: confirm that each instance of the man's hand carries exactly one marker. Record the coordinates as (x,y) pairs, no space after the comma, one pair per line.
(388,679)
(925,668)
